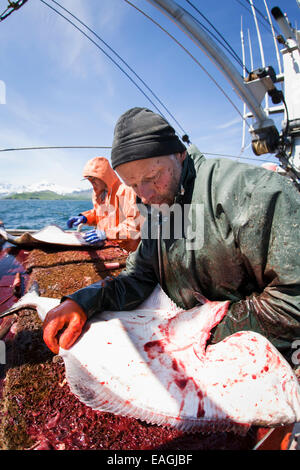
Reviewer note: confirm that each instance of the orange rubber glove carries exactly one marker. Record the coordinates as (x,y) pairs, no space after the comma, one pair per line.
(68,316)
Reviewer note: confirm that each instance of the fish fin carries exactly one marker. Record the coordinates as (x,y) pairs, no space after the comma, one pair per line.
(6,312)
(28,299)
(34,289)
(89,390)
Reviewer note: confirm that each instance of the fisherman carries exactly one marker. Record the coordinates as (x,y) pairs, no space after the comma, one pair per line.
(115,213)
(245,249)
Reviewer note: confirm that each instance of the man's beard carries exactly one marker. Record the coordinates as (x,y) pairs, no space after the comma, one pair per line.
(168,198)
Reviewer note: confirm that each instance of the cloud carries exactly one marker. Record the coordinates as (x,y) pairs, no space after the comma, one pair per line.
(60,166)
(227,124)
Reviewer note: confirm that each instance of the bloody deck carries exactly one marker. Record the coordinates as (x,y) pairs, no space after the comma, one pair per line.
(37,408)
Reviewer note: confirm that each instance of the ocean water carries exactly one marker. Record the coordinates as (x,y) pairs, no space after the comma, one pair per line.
(35,214)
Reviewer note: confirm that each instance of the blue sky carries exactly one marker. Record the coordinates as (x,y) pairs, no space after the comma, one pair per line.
(62,91)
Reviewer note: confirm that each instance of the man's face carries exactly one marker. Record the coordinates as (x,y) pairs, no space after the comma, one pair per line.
(155,180)
(98,185)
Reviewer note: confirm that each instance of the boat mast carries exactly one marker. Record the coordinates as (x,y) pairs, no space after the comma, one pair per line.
(264,133)
(244,76)
(274,37)
(291,63)
(250,49)
(260,49)
(265,136)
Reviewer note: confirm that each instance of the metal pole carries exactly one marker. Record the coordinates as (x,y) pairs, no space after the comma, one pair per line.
(187,23)
(261,49)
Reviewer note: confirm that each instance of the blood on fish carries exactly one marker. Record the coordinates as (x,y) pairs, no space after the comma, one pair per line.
(181,383)
(160,389)
(200,410)
(153,348)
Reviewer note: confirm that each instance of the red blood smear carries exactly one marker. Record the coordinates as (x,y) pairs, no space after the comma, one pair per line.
(200,411)
(153,348)
(61,421)
(181,383)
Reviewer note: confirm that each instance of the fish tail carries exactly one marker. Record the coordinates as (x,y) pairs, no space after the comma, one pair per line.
(27,299)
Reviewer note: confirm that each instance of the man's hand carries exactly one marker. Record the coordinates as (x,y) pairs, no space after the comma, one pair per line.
(68,316)
(77,220)
(94,236)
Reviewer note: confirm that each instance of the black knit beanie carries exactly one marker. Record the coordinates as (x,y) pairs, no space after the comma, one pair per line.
(140,133)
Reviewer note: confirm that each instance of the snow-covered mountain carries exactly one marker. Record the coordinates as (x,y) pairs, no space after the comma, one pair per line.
(8,188)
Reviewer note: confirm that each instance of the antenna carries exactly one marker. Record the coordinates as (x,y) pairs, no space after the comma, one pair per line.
(274,37)
(260,48)
(244,75)
(250,50)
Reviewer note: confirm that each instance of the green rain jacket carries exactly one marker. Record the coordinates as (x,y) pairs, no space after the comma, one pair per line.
(246,250)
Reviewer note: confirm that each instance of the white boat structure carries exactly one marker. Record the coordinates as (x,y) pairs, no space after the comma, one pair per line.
(266,138)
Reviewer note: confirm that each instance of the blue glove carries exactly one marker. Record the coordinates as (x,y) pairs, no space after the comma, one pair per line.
(75,221)
(94,236)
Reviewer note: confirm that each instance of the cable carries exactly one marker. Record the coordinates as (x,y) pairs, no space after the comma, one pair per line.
(235,156)
(191,55)
(56,147)
(122,60)
(229,49)
(268,29)
(107,55)
(263,16)
(109,147)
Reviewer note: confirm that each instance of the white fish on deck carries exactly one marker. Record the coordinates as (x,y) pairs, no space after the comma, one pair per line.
(153,364)
(51,234)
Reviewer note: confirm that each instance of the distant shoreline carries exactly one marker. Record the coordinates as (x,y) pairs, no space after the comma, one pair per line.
(49,196)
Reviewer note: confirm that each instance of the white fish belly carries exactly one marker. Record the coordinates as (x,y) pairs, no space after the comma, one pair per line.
(137,364)
(53,234)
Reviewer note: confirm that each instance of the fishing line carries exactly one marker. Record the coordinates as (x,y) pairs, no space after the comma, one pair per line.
(107,55)
(263,17)
(268,29)
(56,147)
(72,147)
(122,60)
(191,56)
(229,49)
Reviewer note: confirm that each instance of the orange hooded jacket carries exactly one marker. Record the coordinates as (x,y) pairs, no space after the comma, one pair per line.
(117,212)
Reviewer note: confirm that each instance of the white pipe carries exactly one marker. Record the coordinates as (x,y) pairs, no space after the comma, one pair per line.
(244,75)
(260,48)
(194,30)
(250,50)
(283,24)
(274,37)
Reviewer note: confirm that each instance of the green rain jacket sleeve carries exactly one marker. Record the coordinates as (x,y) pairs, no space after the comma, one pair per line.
(266,227)
(126,291)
